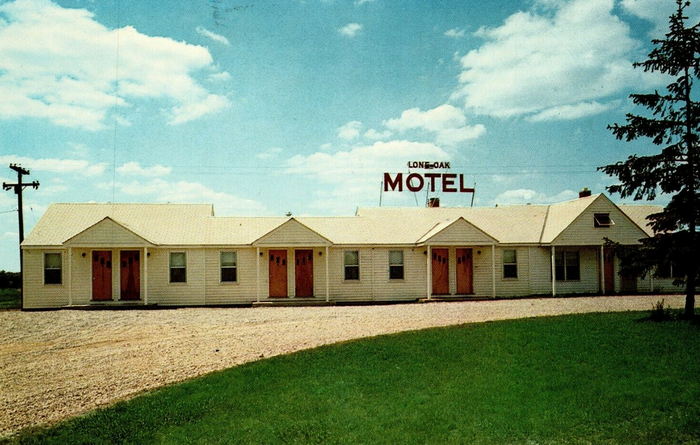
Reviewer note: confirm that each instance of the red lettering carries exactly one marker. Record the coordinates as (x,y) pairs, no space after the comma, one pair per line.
(462,188)
(388,182)
(448,179)
(409,184)
(432,177)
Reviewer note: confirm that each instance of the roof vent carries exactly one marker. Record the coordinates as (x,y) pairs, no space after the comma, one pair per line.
(584,192)
(434,202)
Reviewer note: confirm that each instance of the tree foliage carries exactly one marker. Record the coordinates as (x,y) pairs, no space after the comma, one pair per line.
(674,126)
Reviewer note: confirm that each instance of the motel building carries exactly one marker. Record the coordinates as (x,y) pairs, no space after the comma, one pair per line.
(183,255)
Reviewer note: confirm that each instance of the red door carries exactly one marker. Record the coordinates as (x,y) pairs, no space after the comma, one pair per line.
(304,273)
(441,279)
(130,275)
(278,273)
(465,272)
(609,270)
(101,275)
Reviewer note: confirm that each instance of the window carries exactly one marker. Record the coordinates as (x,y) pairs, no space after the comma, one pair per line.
(510,264)
(602,220)
(228,267)
(178,267)
(352,265)
(668,270)
(52,268)
(396,264)
(566,265)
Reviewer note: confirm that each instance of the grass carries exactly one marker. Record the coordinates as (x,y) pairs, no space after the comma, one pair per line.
(9,299)
(582,379)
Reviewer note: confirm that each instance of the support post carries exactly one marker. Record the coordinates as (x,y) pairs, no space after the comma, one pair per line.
(493,271)
(554,273)
(145,276)
(602,270)
(327,281)
(70,276)
(429,274)
(257,274)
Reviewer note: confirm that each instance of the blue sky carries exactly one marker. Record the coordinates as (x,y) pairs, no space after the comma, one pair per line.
(263,107)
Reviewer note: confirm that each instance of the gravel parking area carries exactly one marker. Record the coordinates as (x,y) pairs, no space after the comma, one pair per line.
(58,364)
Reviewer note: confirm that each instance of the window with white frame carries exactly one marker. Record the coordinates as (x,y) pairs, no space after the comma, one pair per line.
(229,272)
(178,267)
(510,263)
(396,264)
(566,265)
(602,220)
(351,263)
(52,268)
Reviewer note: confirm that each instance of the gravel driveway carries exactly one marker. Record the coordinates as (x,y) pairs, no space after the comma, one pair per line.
(58,364)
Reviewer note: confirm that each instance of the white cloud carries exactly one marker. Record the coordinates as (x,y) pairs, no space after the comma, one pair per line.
(377,135)
(447,122)
(190,192)
(575,54)
(455,33)
(269,153)
(135,169)
(362,2)
(220,77)
(350,30)
(657,12)
(212,35)
(352,177)
(59,64)
(349,131)
(524,196)
(568,112)
(54,165)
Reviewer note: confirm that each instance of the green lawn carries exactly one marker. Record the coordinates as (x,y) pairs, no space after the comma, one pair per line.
(9,299)
(597,378)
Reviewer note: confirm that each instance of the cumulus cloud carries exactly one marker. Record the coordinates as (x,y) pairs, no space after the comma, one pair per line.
(455,33)
(60,64)
(212,35)
(352,176)
(55,165)
(377,135)
(349,131)
(350,30)
(220,77)
(135,169)
(161,190)
(572,55)
(447,122)
(657,12)
(524,196)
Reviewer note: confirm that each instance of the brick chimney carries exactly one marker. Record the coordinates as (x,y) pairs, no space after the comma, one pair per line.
(434,202)
(584,192)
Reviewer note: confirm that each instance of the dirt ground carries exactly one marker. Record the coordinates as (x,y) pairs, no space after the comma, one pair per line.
(58,364)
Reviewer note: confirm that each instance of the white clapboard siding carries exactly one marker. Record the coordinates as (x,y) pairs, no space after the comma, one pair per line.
(508,287)
(412,286)
(162,292)
(460,232)
(36,293)
(106,233)
(589,264)
(291,233)
(581,231)
(540,270)
(241,291)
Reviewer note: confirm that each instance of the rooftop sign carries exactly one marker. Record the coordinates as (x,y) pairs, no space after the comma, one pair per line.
(415,182)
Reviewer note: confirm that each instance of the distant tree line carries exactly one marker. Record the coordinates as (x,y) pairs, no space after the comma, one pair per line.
(12,280)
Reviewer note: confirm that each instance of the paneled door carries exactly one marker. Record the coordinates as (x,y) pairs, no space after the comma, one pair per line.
(304,273)
(130,275)
(101,275)
(278,273)
(441,272)
(465,272)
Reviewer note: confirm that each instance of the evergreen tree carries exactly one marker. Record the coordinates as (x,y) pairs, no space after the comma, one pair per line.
(674,126)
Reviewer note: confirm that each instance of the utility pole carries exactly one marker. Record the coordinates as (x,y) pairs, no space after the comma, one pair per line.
(18,188)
